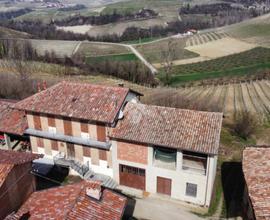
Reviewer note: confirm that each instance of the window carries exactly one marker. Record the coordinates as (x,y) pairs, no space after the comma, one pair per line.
(85,135)
(52,130)
(165,158)
(191,189)
(194,162)
(102,154)
(132,170)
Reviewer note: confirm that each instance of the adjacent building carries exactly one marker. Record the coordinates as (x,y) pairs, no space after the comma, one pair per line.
(13,123)
(16,181)
(167,151)
(83,200)
(256,168)
(73,120)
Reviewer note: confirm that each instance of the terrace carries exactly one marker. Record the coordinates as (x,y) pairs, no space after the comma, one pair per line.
(165,158)
(194,162)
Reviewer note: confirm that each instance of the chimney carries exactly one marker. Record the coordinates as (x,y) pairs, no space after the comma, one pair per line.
(94,191)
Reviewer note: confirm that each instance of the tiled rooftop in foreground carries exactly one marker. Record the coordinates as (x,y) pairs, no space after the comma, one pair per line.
(72,202)
(256,168)
(9,158)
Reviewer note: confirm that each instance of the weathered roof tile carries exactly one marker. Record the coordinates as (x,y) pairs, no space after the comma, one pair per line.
(71,202)
(170,127)
(11,120)
(78,100)
(256,168)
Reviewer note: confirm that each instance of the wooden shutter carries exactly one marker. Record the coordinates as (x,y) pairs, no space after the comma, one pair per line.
(54,145)
(87,151)
(37,122)
(102,154)
(101,133)
(67,127)
(51,122)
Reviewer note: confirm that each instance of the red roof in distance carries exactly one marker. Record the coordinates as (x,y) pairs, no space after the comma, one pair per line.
(12,121)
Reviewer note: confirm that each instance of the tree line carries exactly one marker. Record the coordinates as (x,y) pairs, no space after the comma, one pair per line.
(133,71)
(105,18)
(5,15)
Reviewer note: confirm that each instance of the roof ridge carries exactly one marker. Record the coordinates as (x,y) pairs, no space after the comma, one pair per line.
(76,200)
(177,109)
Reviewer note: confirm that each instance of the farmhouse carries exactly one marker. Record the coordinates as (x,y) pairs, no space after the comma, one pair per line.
(16,181)
(106,130)
(72,120)
(83,200)
(256,168)
(168,151)
(12,124)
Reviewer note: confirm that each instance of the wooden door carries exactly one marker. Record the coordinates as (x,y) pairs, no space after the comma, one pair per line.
(70,151)
(164,185)
(132,177)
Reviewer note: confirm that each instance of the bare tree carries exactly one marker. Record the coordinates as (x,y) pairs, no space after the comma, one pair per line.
(168,55)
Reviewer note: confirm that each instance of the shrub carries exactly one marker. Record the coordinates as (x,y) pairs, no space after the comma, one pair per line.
(246,125)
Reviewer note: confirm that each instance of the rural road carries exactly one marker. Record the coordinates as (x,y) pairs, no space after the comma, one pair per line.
(146,63)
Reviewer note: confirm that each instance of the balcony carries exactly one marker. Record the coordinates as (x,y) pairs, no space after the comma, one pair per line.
(165,158)
(194,162)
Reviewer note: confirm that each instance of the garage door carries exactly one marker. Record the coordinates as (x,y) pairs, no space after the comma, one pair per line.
(164,185)
(132,177)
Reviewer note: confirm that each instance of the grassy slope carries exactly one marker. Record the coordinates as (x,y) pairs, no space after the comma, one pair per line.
(256,30)
(116,57)
(152,51)
(9,33)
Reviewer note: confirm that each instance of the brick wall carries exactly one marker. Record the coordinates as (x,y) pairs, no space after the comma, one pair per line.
(132,152)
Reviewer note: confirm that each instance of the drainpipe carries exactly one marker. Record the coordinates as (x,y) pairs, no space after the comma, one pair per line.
(207,177)
(8,144)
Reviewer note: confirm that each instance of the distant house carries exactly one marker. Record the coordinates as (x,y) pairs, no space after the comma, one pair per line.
(83,200)
(13,123)
(167,151)
(16,181)
(73,120)
(256,168)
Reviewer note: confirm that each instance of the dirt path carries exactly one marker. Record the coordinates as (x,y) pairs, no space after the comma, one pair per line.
(146,63)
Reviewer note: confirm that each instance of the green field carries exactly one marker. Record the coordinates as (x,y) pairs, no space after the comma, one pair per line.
(99,49)
(238,64)
(116,57)
(153,51)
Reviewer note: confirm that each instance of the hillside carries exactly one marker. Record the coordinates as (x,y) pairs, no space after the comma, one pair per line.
(255,31)
(9,33)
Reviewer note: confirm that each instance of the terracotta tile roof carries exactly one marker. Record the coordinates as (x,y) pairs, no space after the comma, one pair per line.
(169,127)
(4,171)
(71,202)
(256,168)
(16,157)
(78,100)
(9,158)
(11,120)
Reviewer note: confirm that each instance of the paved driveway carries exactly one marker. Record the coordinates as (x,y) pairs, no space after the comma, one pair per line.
(159,209)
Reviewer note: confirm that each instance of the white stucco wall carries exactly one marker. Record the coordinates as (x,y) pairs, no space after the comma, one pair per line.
(178,177)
